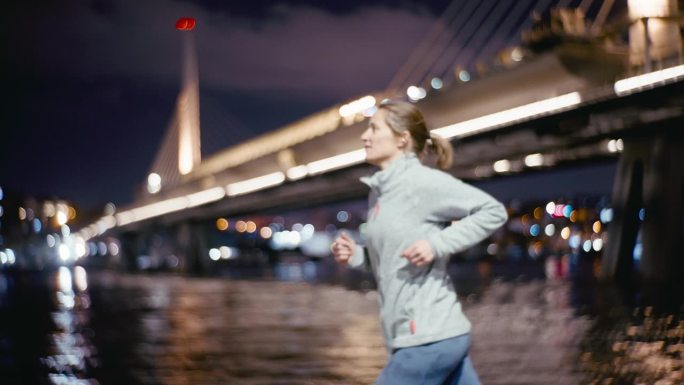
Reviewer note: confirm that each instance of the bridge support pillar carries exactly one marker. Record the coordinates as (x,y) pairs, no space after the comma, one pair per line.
(133,244)
(191,243)
(650,175)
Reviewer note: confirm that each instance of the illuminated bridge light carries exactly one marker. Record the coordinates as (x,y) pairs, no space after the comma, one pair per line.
(297,172)
(254,184)
(106,223)
(206,196)
(337,161)
(110,209)
(615,145)
(415,93)
(534,160)
(649,80)
(357,106)
(516,54)
(502,165)
(488,122)
(368,112)
(156,209)
(153,183)
(611,146)
(125,217)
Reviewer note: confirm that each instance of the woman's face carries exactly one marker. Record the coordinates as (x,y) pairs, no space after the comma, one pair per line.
(382,145)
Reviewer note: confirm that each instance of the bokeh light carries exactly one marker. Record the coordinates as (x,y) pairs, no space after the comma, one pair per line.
(222,224)
(240,226)
(266,232)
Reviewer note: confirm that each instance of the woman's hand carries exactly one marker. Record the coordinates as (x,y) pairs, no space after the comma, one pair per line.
(343,248)
(419,253)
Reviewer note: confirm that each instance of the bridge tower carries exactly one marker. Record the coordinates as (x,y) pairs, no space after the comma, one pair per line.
(180,151)
(187,106)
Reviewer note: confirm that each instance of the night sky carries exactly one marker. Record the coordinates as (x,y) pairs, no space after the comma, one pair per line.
(90,86)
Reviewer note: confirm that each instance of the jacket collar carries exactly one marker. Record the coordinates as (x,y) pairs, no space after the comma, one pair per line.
(381,180)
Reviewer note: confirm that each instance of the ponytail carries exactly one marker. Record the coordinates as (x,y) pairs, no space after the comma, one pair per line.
(403,116)
(443,150)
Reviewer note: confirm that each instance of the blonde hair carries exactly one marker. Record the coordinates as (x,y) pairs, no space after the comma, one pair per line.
(403,116)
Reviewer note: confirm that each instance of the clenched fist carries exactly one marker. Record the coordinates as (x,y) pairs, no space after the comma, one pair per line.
(343,248)
(419,253)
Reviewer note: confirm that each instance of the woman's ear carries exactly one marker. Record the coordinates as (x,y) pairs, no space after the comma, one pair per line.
(405,138)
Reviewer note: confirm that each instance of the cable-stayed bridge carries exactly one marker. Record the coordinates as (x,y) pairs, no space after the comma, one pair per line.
(575,90)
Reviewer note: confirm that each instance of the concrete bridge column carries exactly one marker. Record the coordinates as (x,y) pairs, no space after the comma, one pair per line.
(626,202)
(133,244)
(650,175)
(662,233)
(191,241)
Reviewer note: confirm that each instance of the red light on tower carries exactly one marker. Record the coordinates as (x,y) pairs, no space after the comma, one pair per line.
(185,24)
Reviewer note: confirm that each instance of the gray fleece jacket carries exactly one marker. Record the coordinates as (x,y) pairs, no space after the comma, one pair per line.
(409,202)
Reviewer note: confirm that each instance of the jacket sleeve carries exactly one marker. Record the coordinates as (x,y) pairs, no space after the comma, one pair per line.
(477,214)
(360,260)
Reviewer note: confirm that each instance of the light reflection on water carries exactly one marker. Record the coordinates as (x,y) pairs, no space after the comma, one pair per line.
(247,332)
(292,328)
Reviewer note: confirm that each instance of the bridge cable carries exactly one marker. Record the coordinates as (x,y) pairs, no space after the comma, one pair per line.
(444,41)
(169,166)
(159,165)
(475,15)
(507,28)
(602,15)
(497,17)
(444,64)
(439,27)
(585,5)
(541,7)
(564,4)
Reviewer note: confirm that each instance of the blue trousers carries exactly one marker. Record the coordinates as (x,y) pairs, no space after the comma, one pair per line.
(443,362)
